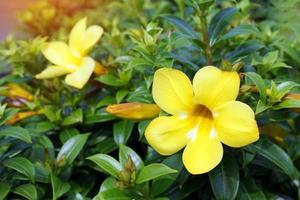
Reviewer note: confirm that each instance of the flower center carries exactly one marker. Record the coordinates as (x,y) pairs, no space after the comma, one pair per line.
(202,111)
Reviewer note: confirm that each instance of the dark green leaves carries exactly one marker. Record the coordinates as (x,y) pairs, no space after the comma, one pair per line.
(23,166)
(219,23)
(107,164)
(122,131)
(153,171)
(182,27)
(241,30)
(74,117)
(71,148)
(125,152)
(276,155)
(59,187)
(259,82)
(16,132)
(27,191)
(4,190)
(224,179)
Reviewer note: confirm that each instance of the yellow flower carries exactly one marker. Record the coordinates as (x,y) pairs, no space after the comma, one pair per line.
(203,115)
(134,111)
(72,58)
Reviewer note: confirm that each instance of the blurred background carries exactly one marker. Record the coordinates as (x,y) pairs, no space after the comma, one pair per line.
(8,13)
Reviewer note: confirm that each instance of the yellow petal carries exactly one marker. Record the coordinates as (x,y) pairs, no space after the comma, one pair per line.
(167,135)
(81,76)
(134,111)
(15,90)
(77,33)
(235,124)
(52,72)
(83,38)
(59,53)
(204,151)
(213,87)
(172,91)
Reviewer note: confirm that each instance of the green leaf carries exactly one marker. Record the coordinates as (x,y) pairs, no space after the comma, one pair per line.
(122,131)
(59,188)
(153,171)
(110,80)
(125,152)
(52,113)
(276,155)
(289,103)
(74,117)
(100,116)
(259,82)
(248,190)
(27,191)
(219,23)
(224,179)
(107,163)
(182,26)
(244,50)
(23,166)
(16,132)
(121,95)
(8,113)
(108,183)
(113,194)
(71,148)
(4,190)
(246,29)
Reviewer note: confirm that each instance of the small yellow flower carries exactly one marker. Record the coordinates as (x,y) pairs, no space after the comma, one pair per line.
(203,115)
(72,58)
(134,111)
(13,91)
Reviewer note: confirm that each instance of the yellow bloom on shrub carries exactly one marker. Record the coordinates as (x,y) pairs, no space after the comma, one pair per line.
(72,59)
(204,114)
(134,111)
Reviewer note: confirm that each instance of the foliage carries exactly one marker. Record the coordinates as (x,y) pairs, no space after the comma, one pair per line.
(71,148)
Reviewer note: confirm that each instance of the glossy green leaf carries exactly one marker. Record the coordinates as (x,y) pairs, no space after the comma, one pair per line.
(71,148)
(276,155)
(21,165)
(153,171)
(260,84)
(59,188)
(219,22)
(241,30)
(107,163)
(125,152)
(224,179)
(113,194)
(16,132)
(74,117)
(289,103)
(244,50)
(108,183)
(122,131)
(110,80)
(182,26)
(27,191)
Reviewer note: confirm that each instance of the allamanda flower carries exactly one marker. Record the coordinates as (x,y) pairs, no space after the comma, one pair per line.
(72,58)
(203,115)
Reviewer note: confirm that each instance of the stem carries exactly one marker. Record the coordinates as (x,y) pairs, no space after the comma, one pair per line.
(207,50)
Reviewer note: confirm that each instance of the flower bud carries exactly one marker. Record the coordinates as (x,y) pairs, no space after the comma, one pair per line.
(13,91)
(22,115)
(134,111)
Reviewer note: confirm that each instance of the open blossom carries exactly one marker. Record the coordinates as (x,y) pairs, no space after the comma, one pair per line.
(72,58)
(204,115)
